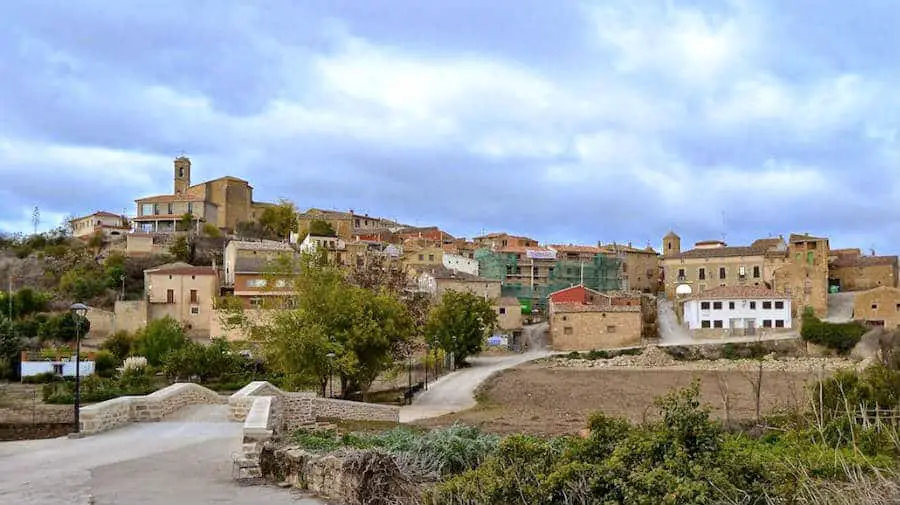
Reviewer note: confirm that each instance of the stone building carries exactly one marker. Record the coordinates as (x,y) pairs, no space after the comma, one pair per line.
(509,314)
(184,292)
(346,225)
(438,280)
(878,307)
(251,271)
(504,240)
(222,202)
(582,319)
(851,271)
(640,267)
(420,259)
(713,263)
(107,223)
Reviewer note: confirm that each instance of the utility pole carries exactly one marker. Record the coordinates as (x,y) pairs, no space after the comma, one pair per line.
(36,218)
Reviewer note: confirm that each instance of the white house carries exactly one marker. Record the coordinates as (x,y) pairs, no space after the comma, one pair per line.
(312,243)
(460,263)
(738,311)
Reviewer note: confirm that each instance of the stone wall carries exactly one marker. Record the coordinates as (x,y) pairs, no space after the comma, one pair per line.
(259,427)
(354,411)
(111,414)
(102,322)
(585,331)
(788,347)
(240,403)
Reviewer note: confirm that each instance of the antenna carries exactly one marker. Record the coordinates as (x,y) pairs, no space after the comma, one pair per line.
(724,227)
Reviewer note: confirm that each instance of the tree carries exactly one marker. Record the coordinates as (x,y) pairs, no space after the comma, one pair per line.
(184,249)
(362,327)
(186,223)
(211,230)
(279,220)
(460,323)
(64,327)
(10,346)
(97,241)
(120,344)
(320,228)
(159,338)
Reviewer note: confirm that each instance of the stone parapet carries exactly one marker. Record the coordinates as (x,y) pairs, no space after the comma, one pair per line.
(239,403)
(355,411)
(113,413)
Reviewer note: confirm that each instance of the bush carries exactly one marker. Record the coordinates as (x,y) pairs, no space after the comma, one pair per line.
(120,344)
(841,337)
(98,389)
(159,338)
(41,378)
(105,364)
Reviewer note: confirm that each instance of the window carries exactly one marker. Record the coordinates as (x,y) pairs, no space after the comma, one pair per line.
(767,323)
(721,272)
(874,306)
(57,369)
(256,283)
(430,257)
(567,330)
(898,306)
(502,310)
(717,305)
(255,302)
(181,172)
(169,209)
(767,305)
(357,223)
(742,271)
(752,305)
(810,257)
(190,207)
(718,324)
(422,257)
(681,273)
(195,310)
(624,267)
(146,209)
(779,305)
(779,323)
(170,296)
(756,272)
(705,324)
(730,305)
(701,274)
(704,305)
(193,296)
(611,329)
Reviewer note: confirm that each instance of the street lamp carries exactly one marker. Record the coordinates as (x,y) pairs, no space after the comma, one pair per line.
(330,357)
(122,278)
(79,310)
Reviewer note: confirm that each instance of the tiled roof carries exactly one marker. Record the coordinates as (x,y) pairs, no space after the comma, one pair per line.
(580,307)
(738,293)
(628,249)
(446,273)
(251,265)
(767,243)
(167,217)
(864,261)
(521,249)
(719,252)
(172,198)
(569,248)
(99,213)
(796,237)
(264,245)
(853,251)
(181,269)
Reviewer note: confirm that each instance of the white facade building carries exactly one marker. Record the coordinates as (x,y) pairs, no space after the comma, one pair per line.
(460,264)
(312,243)
(61,368)
(738,311)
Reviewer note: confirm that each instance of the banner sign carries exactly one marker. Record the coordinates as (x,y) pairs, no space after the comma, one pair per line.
(540,255)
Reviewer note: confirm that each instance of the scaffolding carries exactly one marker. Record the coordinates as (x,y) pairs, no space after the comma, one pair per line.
(600,273)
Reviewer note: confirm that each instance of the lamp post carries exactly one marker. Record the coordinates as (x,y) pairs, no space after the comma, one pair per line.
(330,374)
(122,278)
(79,310)
(425,363)
(453,354)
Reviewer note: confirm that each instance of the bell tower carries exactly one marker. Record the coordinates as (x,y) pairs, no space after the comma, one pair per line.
(671,244)
(182,174)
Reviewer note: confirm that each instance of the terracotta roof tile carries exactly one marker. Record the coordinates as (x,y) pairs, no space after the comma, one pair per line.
(567,248)
(172,198)
(738,293)
(580,307)
(181,269)
(719,252)
(796,237)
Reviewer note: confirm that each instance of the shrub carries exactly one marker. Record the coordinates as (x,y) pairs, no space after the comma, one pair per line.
(159,338)
(41,378)
(120,344)
(105,364)
(841,337)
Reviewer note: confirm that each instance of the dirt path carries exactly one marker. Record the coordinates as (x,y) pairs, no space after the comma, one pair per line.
(455,392)
(184,460)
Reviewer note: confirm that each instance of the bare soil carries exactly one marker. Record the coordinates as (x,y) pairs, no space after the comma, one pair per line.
(537,399)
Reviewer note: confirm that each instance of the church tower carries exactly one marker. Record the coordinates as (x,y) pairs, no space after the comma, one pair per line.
(182,174)
(671,244)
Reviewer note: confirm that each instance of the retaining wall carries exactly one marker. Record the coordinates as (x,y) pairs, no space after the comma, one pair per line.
(111,414)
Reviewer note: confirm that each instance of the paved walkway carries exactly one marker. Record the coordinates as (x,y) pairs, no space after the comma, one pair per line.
(455,392)
(183,460)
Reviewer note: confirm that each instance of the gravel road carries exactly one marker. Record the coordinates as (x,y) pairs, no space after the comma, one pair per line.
(186,459)
(455,392)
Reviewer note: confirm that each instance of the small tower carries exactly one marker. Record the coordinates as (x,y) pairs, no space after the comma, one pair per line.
(671,244)
(182,174)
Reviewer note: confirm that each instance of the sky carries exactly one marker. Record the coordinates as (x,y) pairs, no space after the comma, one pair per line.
(569,121)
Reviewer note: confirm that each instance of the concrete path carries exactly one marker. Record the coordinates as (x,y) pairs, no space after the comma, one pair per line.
(455,392)
(184,460)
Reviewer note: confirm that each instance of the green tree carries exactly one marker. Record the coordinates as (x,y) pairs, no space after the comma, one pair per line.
(206,362)
(83,282)
(362,327)
(105,364)
(279,220)
(185,223)
(460,323)
(97,241)
(11,344)
(211,230)
(64,327)
(183,249)
(120,344)
(319,228)
(159,338)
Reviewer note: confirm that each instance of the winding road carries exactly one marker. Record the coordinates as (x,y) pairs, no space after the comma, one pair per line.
(455,391)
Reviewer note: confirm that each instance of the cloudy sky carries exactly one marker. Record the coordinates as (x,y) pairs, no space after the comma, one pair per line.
(570,121)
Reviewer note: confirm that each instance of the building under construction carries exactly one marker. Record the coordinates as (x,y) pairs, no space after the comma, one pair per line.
(531,274)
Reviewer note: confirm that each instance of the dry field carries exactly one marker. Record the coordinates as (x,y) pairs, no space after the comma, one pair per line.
(540,399)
